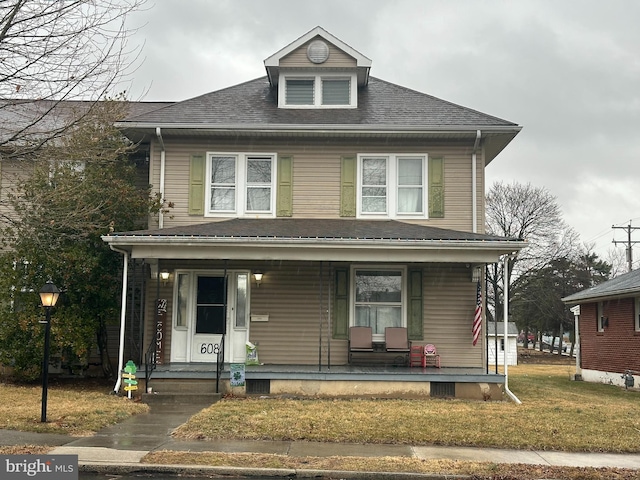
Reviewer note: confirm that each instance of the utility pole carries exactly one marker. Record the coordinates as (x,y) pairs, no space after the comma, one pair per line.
(628,242)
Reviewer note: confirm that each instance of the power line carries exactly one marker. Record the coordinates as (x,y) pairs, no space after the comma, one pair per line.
(628,242)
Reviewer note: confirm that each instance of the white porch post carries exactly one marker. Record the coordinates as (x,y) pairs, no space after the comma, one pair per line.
(123,316)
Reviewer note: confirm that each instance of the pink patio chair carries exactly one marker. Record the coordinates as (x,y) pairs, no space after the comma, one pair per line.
(431,355)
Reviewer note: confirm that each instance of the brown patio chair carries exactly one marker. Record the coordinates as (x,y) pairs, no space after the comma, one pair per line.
(360,340)
(396,340)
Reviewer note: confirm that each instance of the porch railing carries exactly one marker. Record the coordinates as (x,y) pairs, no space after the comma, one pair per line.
(150,361)
(220,363)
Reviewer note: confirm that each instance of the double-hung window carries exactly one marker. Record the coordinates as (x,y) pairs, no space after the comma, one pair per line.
(392,186)
(240,184)
(636,323)
(379,298)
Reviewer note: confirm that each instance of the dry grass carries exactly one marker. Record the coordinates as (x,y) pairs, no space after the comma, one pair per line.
(557,414)
(478,471)
(77,409)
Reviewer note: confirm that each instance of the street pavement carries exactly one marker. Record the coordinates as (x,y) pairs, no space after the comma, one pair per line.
(120,448)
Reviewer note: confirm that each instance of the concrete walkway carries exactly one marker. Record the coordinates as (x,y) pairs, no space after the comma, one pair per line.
(122,446)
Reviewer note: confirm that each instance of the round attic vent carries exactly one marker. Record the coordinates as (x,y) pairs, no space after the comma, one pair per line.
(318,51)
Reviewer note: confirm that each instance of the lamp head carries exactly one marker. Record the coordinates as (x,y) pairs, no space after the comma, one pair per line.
(49,294)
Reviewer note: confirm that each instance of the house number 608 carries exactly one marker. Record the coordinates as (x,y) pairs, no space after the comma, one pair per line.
(209,348)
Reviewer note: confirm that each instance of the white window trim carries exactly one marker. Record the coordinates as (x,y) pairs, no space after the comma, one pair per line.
(636,323)
(241,186)
(192,278)
(317,97)
(599,319)
(352,292)
(392,186)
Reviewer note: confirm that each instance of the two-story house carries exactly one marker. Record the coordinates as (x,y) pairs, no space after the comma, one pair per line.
(305,202)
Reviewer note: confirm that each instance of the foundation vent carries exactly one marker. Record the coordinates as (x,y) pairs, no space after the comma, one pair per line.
(443,389)
(258,387)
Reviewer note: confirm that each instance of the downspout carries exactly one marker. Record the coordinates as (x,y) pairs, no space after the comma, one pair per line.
(162,168)
(506,318)
(123,316)
(474,183)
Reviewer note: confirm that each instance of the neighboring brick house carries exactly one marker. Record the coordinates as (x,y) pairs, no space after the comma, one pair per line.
(608,329)
(355,200)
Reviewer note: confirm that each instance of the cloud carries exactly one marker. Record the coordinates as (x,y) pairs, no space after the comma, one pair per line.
(568,72)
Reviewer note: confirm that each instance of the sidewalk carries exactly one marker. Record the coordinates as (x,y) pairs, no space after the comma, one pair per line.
(119,448)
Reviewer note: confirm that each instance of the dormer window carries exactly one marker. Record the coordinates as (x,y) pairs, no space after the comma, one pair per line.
(317,91)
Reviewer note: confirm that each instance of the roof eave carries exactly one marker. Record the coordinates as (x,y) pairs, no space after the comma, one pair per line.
(590,298)
(409,251)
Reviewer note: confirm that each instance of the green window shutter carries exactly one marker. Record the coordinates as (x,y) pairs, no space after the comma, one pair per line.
(196,184)
(348,187)
(436,187)
(415,322)
(284,196)
(341,305)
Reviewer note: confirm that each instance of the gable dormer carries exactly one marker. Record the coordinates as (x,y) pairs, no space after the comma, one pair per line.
(317,71)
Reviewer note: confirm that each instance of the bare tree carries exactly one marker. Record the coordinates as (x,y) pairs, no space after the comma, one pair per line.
(53,51)
(533,214)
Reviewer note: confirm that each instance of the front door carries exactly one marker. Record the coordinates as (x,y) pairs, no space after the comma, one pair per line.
(210,321)
(210,306)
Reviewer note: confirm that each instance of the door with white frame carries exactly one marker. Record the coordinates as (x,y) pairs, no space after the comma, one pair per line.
(208,305)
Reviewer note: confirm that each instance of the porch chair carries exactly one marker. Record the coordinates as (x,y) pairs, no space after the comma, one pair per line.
(360,340)
(396,340)
(431,356)
(416,356)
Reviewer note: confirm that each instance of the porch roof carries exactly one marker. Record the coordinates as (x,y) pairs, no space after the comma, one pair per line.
(314,239)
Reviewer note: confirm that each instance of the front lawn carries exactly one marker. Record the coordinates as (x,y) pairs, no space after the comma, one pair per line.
(77,408)
(557,413)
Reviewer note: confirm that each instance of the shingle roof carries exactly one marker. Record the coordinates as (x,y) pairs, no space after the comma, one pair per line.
(41,117)
(379,104)
(321,229)
(623,286)
(512,329)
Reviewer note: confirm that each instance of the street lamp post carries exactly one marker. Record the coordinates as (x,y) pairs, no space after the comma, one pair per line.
(49,294)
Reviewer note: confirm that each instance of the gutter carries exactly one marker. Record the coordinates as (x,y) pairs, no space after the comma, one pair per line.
(123,315)
(321,128)
(162,172)
(474,183)
(506,322)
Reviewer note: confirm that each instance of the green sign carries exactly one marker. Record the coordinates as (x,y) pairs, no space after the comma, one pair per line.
(236,371)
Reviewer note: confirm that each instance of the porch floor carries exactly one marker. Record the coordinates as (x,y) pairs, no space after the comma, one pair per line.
(374,372)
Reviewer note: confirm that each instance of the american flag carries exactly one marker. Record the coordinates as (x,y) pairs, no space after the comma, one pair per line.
(477,317)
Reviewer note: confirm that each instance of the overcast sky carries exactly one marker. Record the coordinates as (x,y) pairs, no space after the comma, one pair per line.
(568,72)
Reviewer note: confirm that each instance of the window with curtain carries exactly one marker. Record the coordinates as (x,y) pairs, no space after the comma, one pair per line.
(241,184)
(378,299)
(410,185)
(392,186)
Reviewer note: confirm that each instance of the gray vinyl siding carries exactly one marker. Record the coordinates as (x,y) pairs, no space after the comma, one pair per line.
(291,298)
(337,59)
(297,331)
(449,305)
(316,178)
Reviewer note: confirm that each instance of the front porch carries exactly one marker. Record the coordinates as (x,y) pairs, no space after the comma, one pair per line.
(336,381)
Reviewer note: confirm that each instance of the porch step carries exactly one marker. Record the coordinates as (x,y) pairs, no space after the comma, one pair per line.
(181,398)
(178,386)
